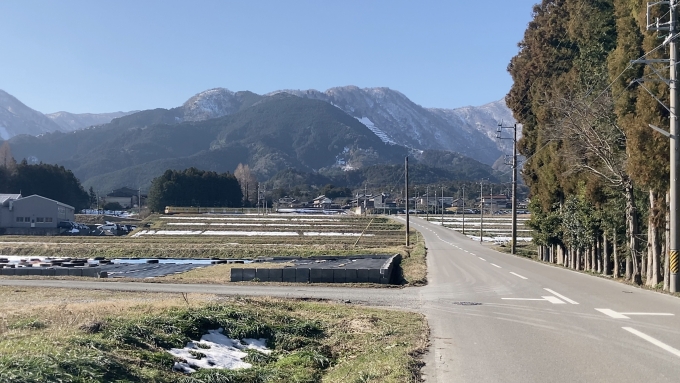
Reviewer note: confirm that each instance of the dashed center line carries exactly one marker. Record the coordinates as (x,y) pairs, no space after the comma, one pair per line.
(517,275)
(493,264)
(482,259)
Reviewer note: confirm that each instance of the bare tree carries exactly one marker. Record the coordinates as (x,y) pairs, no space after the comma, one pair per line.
(593,143)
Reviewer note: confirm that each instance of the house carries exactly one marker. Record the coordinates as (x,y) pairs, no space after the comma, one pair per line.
(383,201)
(32,215)
(289,202)
(495,202)
(126,197)
(322,202)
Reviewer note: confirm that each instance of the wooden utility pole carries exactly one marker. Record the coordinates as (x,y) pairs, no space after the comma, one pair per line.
(408,242)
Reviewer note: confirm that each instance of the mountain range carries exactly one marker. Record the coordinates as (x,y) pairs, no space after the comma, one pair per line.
(342,128)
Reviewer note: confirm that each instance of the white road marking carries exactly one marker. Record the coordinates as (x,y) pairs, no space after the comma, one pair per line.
(496,265)
(617,315)
(548,298)
(612,314)
(524,299)
(553,300)
(517,275)
(561,296)
(653,341)
(482,259)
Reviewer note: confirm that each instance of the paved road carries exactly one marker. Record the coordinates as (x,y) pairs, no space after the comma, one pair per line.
(498,318)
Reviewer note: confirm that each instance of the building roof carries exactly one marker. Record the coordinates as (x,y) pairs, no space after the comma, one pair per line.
(123,192)
(39,196)
(5,198)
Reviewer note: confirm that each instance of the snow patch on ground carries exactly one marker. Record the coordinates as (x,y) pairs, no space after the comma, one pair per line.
(330,234)
(215,350)
(253,233)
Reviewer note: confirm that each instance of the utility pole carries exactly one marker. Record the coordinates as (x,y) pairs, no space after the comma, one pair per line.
(427,197)
(672,28)
(408,243)
(442,205)
(365,203)
(463,209)
(513,240)
(481,219)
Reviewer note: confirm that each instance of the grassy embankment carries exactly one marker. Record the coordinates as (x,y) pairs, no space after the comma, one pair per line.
(96,336)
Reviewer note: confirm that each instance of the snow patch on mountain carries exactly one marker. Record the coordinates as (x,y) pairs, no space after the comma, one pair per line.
(371,126)
(209,104)
(4,134)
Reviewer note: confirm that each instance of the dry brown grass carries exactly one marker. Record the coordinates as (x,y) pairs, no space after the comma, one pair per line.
(369,344)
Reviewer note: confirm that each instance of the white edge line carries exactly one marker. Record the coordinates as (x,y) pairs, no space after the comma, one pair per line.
(573,302)
(496,265)
(653,341)
(652,314)
(517,275)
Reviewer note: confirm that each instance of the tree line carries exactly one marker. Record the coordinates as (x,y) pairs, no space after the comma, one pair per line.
(51,181)
(598,176)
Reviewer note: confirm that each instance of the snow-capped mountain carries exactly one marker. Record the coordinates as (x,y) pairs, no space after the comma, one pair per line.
(216,102)
(484,119)
(71,121)
(17,118)
(396,119)
(389,114)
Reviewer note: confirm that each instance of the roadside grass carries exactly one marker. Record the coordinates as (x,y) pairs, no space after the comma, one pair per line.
(523,249)
(95,336)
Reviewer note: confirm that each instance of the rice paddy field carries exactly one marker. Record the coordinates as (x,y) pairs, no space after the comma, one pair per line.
(224,236)
(496,228)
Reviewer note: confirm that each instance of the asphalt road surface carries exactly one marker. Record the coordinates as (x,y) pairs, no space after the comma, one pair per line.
(499,318)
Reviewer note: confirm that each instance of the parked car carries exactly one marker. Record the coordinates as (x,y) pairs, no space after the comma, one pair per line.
(109,226)
(65,225)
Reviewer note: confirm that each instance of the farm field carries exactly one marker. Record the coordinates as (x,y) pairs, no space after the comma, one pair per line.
(101,336)
(496,228)
(208,236)
(238,237)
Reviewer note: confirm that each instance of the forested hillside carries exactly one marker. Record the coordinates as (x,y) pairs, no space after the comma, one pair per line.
(598,175)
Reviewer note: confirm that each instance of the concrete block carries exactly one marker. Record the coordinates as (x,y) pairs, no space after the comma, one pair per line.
(7,271)
(61,272)
(34,271)
(327,275)
(275,275)
(103,274)
(374,275)
(351,276)
(362,275)
(236,275)
(315,275)
(248,274)
(302,275)
(262,275)
(339,275)
(75,272)
(92,273)
(21,271)
(288,274)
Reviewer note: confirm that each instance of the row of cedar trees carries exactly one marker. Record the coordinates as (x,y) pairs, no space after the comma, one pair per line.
(598,175)
(51,181)
(194,187)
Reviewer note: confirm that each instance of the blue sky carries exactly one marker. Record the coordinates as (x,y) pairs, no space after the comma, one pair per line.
(104,56)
